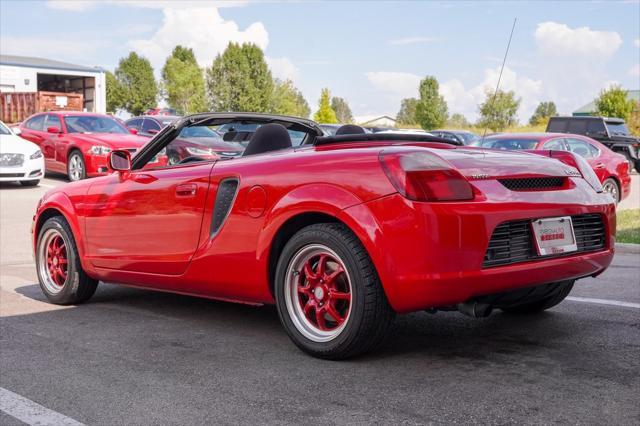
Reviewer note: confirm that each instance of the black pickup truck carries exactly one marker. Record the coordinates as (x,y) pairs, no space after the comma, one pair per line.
(612,132)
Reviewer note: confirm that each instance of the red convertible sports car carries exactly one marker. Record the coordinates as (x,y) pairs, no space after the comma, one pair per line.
(611,168)
(78,144)
(341,232)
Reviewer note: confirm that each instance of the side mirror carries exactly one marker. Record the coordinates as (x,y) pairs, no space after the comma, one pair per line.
(16,131)
(53,129)
(120,160)
(133,131)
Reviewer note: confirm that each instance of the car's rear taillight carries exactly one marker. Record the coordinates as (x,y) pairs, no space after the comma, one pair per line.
(576,161)
(424,176)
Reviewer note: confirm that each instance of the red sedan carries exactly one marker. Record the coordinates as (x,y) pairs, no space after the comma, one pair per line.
(341,232)
(78,144)
(611,168)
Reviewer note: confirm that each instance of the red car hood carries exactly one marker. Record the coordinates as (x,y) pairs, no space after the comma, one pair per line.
(114,140)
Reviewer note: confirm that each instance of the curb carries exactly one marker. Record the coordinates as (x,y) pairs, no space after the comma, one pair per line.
(628,248)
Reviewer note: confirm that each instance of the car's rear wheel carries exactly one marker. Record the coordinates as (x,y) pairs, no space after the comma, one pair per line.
(558,292)
(75,167)
(610,186)
(58,266)
(30,182)
(329,297)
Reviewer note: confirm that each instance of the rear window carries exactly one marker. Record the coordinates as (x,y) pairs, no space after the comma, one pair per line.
(617,128)
(509,144)
(557,125)
(35,123)
(578,127)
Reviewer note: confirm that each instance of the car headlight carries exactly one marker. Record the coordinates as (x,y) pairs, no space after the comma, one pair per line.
(199,151)
(37,154)
(99,150)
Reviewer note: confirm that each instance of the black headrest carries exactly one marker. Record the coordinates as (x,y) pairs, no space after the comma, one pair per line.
(229,136)
(350,129)
(268,137)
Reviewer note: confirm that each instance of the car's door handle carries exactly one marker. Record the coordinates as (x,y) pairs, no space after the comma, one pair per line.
(186,190)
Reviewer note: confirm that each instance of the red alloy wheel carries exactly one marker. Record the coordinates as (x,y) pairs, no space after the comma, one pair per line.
(319,295)
(57,260)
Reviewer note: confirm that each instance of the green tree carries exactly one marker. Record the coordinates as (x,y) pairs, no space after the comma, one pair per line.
(325,113)
(342,110)
(183,82)
(542,113)
(499,112)
(138,86)
(185,54)
(114,92)
(407,113)
(431,110)
(239,80)
(288,100)
(613,102)
(458,121)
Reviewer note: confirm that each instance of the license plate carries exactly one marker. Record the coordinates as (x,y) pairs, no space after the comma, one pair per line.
(554,235)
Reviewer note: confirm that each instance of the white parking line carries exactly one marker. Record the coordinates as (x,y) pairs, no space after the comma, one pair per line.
(30,412)
(604,302)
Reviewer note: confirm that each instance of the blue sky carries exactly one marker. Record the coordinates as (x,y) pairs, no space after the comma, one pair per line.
(371,53)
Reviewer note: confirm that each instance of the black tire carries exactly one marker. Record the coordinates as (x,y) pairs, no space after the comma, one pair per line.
(611,186)
(556,295)
(78,287)
(74,176)
(30,182)
(370,315)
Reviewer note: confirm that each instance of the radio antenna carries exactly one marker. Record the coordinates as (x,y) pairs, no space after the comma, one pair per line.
(504,61)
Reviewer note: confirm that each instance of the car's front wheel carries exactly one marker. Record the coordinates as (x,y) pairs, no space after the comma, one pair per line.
(329,297)
(75,167)
(60,273)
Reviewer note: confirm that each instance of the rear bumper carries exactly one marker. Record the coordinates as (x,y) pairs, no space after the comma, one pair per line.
(431,254)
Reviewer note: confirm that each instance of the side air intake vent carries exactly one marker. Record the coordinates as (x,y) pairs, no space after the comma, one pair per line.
(224,199)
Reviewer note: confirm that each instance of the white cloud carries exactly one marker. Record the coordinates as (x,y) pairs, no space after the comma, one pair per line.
(82,5)
(557,39)
(397,85)
(634,71)
(283,68)
(411,40)
(574,62)
(203,30)
(637,42)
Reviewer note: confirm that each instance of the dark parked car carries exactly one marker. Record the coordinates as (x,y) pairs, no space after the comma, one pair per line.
(611,132)
(464,136)
(193,142)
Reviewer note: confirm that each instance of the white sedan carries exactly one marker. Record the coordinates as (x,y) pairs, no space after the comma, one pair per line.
(20,160)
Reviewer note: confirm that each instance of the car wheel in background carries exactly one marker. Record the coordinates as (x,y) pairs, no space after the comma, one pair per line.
(610,186)
(30,182)
(329,297)
(75,166)
(559,291)
(60,273)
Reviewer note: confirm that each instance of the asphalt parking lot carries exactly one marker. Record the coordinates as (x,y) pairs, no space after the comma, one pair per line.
(138,357)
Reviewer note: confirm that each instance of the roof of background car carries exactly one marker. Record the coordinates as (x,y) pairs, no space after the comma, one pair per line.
(532,136)
(589,117)
(83,113)
(159,117)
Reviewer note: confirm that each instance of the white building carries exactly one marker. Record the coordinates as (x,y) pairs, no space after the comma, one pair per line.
(22,74)
(376,121)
